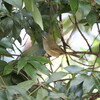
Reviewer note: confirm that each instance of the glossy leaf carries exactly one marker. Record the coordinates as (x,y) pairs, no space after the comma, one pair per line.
(91,18)
(21,64)
(4,52)
(32,8)
(14,90)
(57,95)
(30,71)
(26,84)
(8,69)
(73,69)
(16,3)
(77,80)
(8,6)
(85,8)
(42,94)
(88,84)
(40,59)
(75,92)
(6,42)
(74,4)
(40,67)
(56,76)
(97,1)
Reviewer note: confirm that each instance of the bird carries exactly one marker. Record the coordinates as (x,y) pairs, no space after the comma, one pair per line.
(51,47)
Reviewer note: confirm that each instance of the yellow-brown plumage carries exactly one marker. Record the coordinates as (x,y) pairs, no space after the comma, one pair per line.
(51,47)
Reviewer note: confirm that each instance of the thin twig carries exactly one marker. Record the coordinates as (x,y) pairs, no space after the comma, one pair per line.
(62,39)
(76,24)
(80,62)
(98,28)
(83,52)
(94,63)
(63,79)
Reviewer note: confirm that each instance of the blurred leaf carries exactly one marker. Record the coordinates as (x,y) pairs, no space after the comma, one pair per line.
(97,1)
(40,59)
(77,80)
(16,3)
(6,42)
(57,95)
(30,71)
(56,76)
(20,98)
(97,80)
(31,7)
(92,18)
(83,21)
(88,84)
(75,92)
(98,61)
(95,46)
(21,63)
(33,50)
(2,66)
(8,6)
(8,69)
(4,52)
(2,95)
(26,84)
(85,8)
(42,94)
(40,67)
(74,4)
(73,69)
(15,90)
(6,26)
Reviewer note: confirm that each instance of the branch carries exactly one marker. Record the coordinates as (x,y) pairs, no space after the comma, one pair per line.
(61,32)
(82,52)
(76,24)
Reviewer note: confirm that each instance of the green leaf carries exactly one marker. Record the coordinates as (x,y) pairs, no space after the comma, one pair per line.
(40,59)
(85,8)
(2,95)
(56,76)
(75,92)
(88,84)
(77,80)
(15,90)
(2,63)
(40,67)
(4,52)
(74,4)
(8,69)
(95,46)
(73,69)
(32,8)
(16,3)
(41,94)
(30,71)
(6,42)
(57,95)
(20,98)
(21,63)
(92,18)
(97,1)
(26,84)
(8,6)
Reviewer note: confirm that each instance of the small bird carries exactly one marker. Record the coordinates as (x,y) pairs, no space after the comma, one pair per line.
(52,48)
